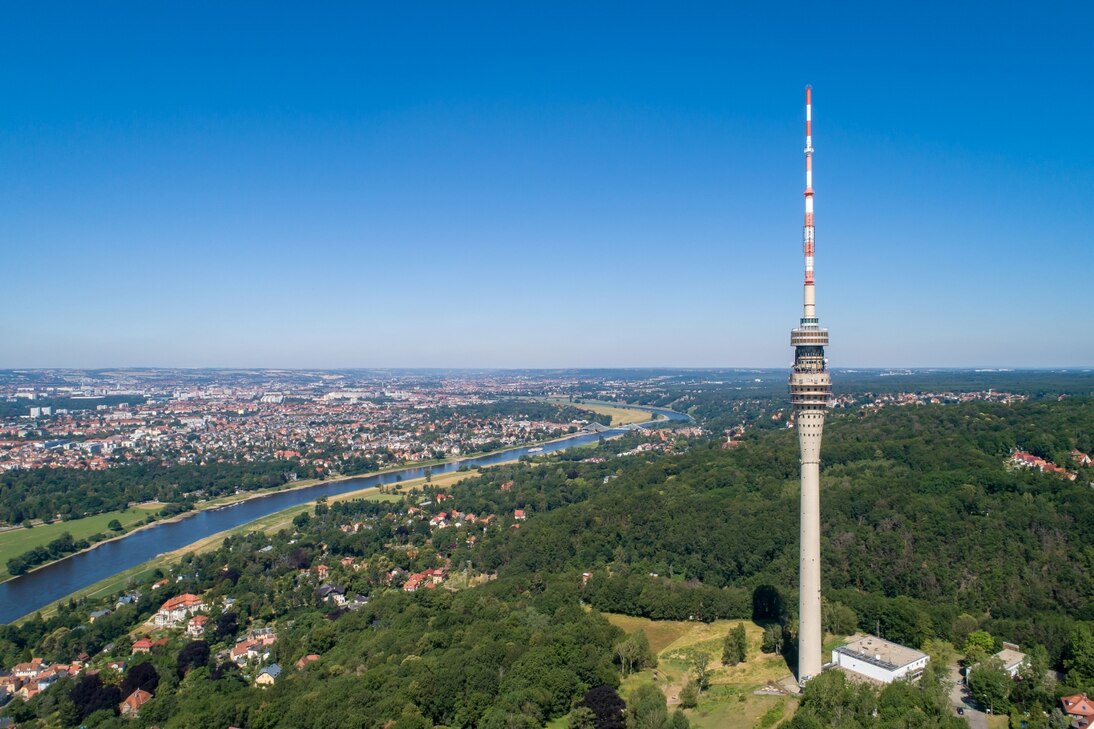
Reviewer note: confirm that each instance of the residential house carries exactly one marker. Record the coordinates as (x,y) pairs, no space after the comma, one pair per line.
(178,608)
(306,660)
(1011,658)
(27,670)
(127,599)
(132,704)
(332,593)
(254,646)
(247,650)
(268,675)
(9,684)
(1080,708)
(196,626)
(144,645)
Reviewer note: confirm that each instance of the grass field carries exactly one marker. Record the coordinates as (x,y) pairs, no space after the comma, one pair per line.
(14,542)
(621,414)
(731,701)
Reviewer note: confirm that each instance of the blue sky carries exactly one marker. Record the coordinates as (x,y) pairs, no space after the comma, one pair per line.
(569,184)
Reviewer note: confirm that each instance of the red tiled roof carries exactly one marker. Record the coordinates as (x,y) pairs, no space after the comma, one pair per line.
(134,701)
(187,600)
(1078,705)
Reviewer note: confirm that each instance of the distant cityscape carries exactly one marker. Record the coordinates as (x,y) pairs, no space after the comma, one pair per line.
(326,422)
(338,423)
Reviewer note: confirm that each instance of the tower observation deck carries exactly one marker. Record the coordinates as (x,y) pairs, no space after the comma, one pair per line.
(810,390)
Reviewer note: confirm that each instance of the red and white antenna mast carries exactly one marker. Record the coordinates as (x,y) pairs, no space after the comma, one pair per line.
(810,313)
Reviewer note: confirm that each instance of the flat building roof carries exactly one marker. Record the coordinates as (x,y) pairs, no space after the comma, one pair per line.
(880,652)
(1011,658)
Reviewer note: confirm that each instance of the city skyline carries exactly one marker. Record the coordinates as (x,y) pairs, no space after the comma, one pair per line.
(486,187)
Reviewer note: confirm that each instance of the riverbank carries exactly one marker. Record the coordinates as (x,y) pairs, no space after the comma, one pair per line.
(19,540)
(270,524)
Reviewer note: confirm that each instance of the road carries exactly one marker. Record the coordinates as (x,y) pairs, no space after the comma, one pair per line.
(959,697)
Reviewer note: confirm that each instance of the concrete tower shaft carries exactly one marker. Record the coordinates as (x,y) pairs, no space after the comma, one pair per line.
(810,390)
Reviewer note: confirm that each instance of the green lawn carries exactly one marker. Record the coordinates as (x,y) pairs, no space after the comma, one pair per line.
(14,542)
(731,701)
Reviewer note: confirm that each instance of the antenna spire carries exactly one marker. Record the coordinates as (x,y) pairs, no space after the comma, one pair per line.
(809,315)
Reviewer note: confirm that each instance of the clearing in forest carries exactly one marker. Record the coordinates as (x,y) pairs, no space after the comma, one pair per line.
(730,702)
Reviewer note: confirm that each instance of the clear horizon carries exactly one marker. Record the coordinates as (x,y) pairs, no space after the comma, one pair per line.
(495,187)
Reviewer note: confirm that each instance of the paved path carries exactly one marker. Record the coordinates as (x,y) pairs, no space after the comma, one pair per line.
(959,697)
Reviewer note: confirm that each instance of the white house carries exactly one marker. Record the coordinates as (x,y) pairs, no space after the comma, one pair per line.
(178,609)
(879,659)
(1011,658)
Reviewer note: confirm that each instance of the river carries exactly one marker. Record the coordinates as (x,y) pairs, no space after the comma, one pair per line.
(24,594)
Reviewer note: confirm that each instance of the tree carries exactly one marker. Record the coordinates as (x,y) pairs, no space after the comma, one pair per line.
(942,652)
(90,695)
(114,525)
(634,653)
(607,705)
(838,618)
(979,639)
(735,646)
(1031,691)
(194,655)
(990,685)
(141,676)
(1079,662)
(582,718)
(964,624)
(227,624)
(1058,719)
(767,604)
(689,695)
(647,708)
(701,661)
(773,639)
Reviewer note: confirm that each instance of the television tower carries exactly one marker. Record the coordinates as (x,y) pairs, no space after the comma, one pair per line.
(810,386)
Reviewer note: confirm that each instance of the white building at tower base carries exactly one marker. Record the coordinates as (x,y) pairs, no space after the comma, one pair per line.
(878,659)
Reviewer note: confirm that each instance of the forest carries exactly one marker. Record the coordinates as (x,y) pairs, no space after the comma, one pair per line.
(922,490)
(46,493)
